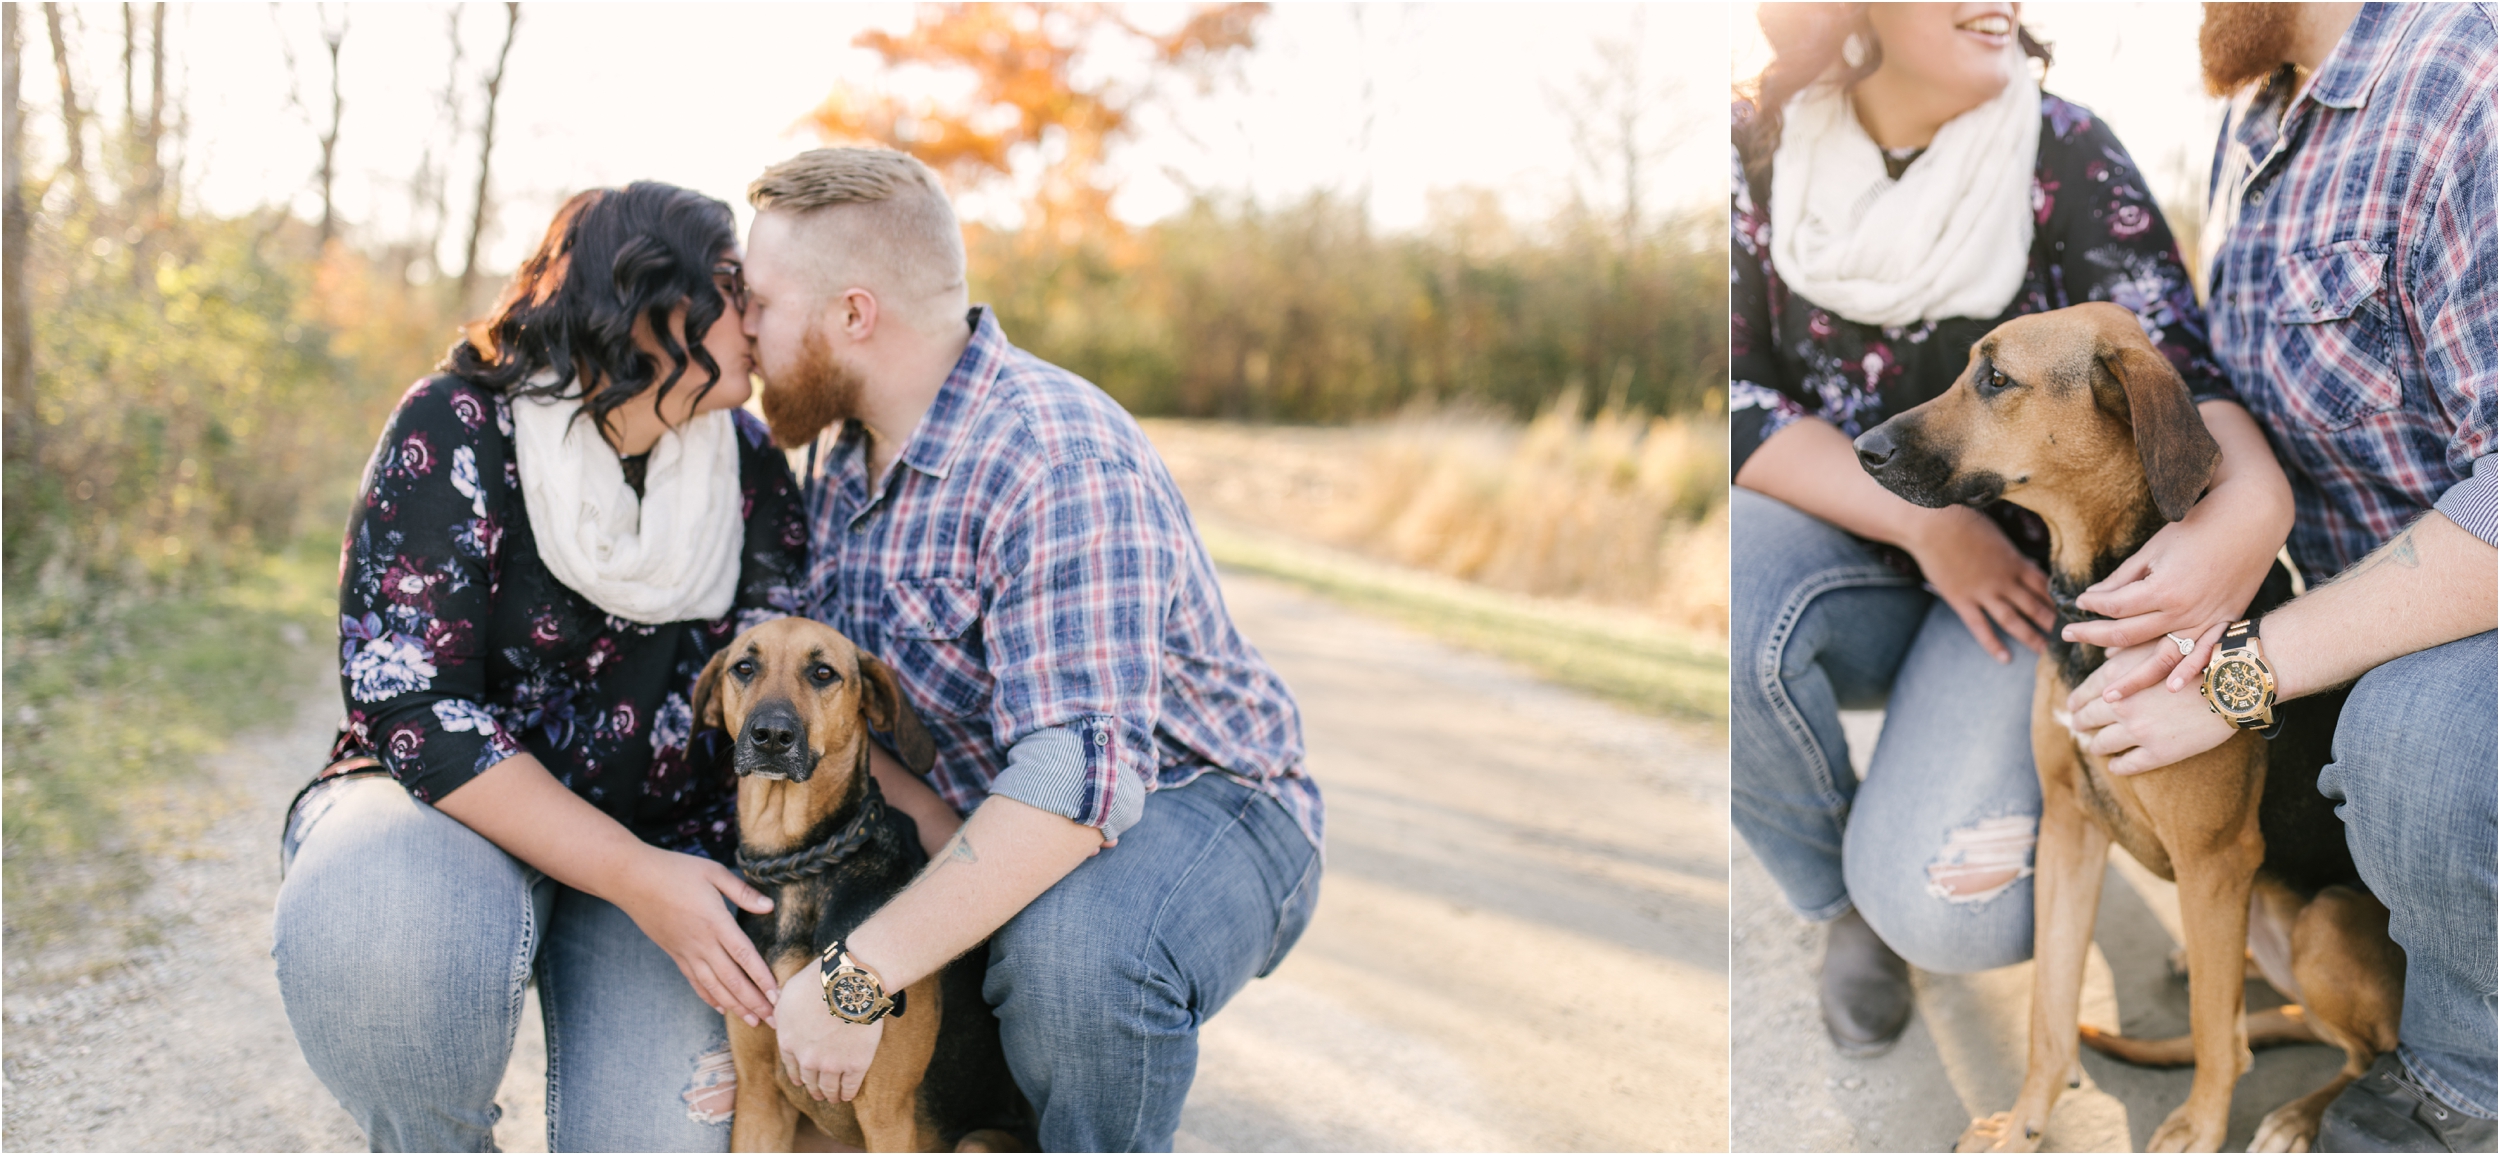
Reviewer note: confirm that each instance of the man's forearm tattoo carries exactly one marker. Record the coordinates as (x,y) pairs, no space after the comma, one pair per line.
(2399,550)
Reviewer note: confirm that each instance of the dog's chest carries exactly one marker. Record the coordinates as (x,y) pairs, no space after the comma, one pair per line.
(2105,800)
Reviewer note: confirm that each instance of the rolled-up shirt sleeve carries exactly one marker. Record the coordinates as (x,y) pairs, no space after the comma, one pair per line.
(415,593)
(1074,628)
(2474,503)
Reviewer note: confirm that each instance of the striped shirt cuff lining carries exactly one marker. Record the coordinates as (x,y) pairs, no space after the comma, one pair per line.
(1046,770)
(2474,503)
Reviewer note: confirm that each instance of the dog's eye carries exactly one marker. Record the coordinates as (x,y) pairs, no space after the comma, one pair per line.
(743,667)
(823,674)
(1993,383)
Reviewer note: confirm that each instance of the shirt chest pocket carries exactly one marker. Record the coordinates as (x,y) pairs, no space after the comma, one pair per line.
(2337,339)
(935,627)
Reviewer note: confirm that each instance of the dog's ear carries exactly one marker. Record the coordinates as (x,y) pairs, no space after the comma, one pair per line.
(707,707)
(882,705)
(2178,451)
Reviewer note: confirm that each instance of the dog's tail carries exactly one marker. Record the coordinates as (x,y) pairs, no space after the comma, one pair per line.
(2267,1028)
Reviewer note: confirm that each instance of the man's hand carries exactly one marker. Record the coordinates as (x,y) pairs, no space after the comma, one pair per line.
(829,1057)
(2197,575)
(2149,729)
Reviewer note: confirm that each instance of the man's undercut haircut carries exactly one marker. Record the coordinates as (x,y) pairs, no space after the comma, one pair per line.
(873,218)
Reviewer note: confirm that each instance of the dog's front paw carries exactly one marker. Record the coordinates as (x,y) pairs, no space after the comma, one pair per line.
(2185,1132)
(1999,1132)
(2289,1127)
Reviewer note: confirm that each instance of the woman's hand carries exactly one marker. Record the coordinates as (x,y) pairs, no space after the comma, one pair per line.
(2191,579)
(829,1057)
(1980,574)
(2148,729)
(676,900)
(2198,574)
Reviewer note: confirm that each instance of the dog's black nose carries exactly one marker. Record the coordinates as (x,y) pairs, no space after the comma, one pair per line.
(1875,449)
(775,739)
(772,731)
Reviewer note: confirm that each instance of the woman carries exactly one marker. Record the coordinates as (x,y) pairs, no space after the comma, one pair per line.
(1903,186)
(556,532)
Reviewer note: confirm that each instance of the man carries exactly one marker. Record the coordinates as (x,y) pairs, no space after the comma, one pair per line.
(1142,837)
(2353,303)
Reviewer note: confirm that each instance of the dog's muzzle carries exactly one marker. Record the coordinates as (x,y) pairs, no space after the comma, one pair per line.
(1899,460)
(773,744)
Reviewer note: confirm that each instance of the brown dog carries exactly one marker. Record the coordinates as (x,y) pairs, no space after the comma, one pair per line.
(816,836)
(2073,415)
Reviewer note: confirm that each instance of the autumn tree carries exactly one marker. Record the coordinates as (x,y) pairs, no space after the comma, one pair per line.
(1035,91)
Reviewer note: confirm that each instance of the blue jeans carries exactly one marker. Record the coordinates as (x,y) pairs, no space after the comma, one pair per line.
(1101,983)
(2413,771)
(405,942)
(1821,624)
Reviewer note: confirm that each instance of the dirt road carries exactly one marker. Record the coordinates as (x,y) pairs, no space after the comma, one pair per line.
(1521,942)
(1963,1053)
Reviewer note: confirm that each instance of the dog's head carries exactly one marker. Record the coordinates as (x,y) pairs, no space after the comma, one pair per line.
(2073,404)
(794,690)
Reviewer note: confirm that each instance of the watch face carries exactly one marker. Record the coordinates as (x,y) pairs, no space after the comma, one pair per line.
(2237,688)
(854,994)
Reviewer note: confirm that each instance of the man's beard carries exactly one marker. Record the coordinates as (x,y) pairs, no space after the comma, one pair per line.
(815,393)
(2243,42)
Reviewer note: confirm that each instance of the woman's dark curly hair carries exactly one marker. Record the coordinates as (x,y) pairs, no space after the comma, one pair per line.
(641,251)
(1806,41)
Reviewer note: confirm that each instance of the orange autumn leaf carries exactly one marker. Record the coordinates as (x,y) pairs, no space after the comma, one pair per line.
(1025,61)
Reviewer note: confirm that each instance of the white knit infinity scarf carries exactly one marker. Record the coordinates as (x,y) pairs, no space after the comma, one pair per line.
(1951,238)
(670,555)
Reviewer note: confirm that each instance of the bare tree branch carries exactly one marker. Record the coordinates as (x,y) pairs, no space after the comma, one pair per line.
(331,38)
(73,121)
(486,154)
(17,356)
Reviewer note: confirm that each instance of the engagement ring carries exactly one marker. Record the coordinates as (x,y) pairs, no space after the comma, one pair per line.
(2186,646)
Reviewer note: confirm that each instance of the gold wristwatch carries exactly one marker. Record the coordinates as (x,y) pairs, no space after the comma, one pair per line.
(2238,684)
(853,992)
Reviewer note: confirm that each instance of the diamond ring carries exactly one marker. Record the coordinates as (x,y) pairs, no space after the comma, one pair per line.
(2186,645)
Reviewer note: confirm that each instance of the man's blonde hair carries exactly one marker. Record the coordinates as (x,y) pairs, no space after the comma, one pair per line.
(876,219)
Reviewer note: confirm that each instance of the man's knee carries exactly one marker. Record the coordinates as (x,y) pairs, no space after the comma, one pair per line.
(2415,742)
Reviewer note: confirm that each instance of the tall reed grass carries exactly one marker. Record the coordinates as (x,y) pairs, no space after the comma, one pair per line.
(1618,509)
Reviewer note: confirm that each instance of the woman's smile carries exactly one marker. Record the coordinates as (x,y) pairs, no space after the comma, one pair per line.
(1993,27)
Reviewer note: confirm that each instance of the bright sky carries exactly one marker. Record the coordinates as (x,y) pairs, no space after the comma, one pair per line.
(2133,65)
(1399,99)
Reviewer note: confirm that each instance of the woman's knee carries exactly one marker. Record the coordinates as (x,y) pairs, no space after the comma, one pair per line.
(1958,906)
(391,913)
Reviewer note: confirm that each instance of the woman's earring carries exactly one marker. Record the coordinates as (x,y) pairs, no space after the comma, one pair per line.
(1853,51)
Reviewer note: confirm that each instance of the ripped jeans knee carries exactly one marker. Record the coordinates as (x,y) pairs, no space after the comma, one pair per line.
(1984,859)
(1953,901)
(711,1093)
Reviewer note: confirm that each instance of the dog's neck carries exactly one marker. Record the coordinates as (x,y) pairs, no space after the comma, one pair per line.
(2087,542)
(777,815)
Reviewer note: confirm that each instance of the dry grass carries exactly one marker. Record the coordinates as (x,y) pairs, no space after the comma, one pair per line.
(1621,511)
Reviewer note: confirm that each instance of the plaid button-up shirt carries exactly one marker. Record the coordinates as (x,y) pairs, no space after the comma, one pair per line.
(2353,265)
(1029,566)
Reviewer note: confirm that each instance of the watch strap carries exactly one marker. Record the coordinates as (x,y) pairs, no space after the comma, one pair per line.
(836,955)
(2242,635)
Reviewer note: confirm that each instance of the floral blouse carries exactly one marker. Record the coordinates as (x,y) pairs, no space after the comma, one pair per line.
(458,649)
(2096,236)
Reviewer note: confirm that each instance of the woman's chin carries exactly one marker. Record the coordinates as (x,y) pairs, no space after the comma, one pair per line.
(733,391)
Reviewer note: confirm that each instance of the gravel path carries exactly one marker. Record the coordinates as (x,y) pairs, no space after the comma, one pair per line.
(1521,942)
(1963,1053)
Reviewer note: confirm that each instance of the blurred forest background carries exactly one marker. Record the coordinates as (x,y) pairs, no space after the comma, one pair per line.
(1508,430)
